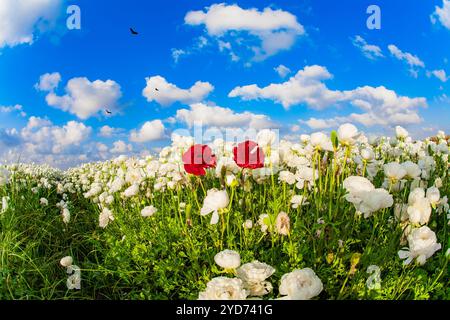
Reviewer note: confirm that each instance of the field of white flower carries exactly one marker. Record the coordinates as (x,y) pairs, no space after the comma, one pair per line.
(327,217)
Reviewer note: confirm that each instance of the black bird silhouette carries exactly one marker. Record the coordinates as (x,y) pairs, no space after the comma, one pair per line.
(133,32)
(107,111)
(156,89)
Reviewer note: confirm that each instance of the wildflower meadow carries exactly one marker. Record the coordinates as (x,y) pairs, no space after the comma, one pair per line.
(339,216)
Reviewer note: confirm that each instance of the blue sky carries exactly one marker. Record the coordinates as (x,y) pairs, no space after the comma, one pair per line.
(376,79)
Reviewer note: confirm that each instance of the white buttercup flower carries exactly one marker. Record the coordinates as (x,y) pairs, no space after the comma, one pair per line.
(412,170)
(321,141)
(215,200)
(66,261)
(228,259)
(433,195)
(347,134)
(223,288)
(367,154)
(394,171)
(105,217)
(43,202)
(148,211)
(401,132)
(422,245)
(301,284)
(298,200)
(254,275)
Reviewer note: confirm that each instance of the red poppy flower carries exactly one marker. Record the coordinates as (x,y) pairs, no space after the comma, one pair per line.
(249,155)
(198,158)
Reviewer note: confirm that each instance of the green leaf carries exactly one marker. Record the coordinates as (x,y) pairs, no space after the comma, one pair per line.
(334,139)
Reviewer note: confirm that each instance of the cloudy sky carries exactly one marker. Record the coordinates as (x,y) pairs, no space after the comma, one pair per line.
(295,65)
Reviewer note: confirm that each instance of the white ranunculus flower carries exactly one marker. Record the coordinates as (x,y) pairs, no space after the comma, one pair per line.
(356,186)
(301,284)
(105,217)
(131,191)
(375,200)
(65,215)
(412,170)
(347,134)
(265,138)
(394,171)
(422,245)
(433,195)
(222,288)
(367,154)
(66,261)
(43,202)
(254,272)
(419,211)
(401,132)
(415,195)
(321,141)
(148,211)
(298,200)
(215,200)
(287,177)
(228,259)
(254,275)
(74,280)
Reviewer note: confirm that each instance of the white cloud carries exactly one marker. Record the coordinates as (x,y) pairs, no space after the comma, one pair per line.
(41,136)
(305,87)
(380,105)
(121,147)
(150,131)
(107,131)
(215,116)
(22,20)
(369,50)
(413,61)
(276,29)
(319,124)
(169,93)
(83,98)
(440,74)
(16,108)
(442,14)
(282,70)
(48,81)
(177,54)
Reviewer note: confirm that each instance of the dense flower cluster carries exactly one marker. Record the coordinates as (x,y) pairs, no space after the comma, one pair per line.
(319,177)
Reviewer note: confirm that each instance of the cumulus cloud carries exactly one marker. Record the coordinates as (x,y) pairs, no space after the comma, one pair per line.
(48,81)
(380,105)
(169,93)
(442,14)
(306,87)
(319,124)
(83,98)
(282,70)
(411,60)
(22,20)
(150,131)
(215,116)
(40,135)
(369,50)
(121,147)
(276,30)
(107,131)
